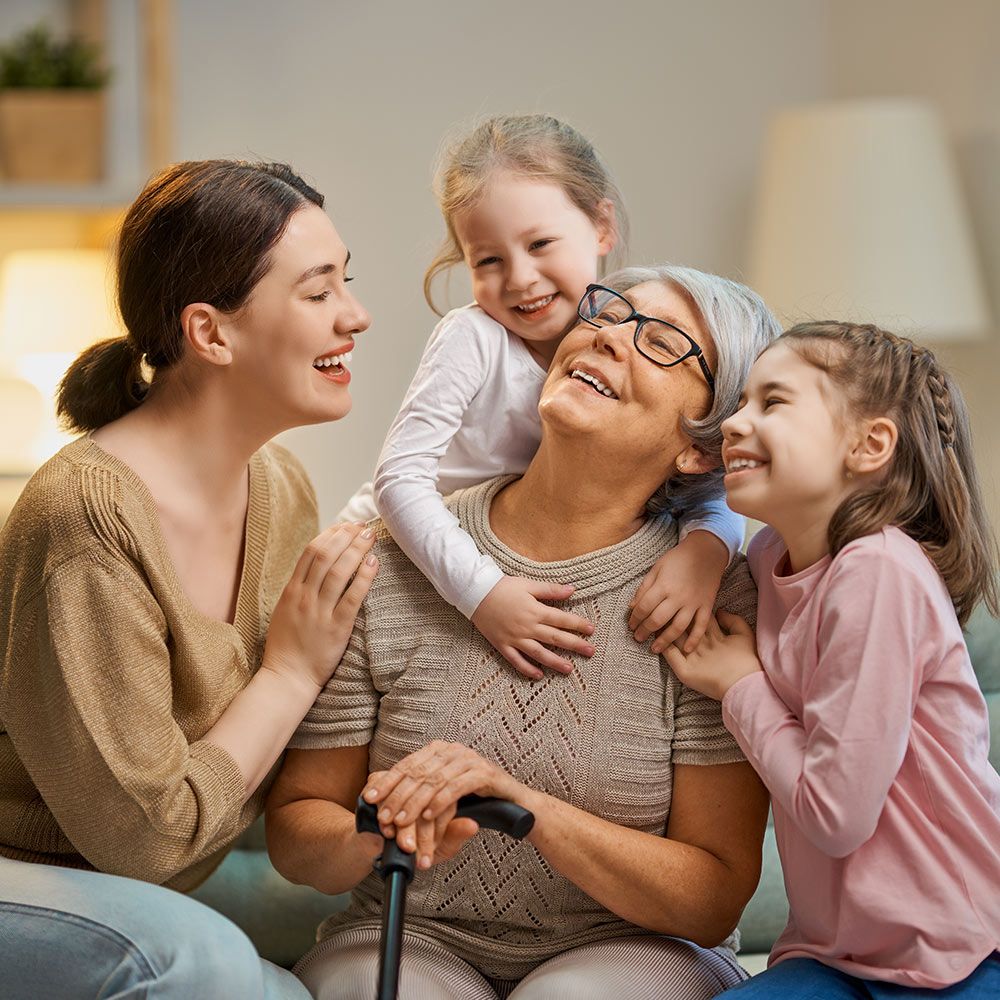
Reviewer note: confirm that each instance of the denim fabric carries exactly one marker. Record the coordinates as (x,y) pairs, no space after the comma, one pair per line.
(807,979)
(68,934)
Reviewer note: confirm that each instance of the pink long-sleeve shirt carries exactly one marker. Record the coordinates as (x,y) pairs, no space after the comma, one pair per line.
(869,729)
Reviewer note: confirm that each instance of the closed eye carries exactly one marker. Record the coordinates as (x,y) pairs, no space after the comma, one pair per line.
(486,261)
(540,244)
(771,401)
(322,296)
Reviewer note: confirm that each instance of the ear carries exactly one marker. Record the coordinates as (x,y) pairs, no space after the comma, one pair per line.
(874,447)
(692,461)
(607,227)
(206,334)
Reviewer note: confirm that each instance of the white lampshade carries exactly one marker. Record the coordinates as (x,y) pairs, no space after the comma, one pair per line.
(859,217)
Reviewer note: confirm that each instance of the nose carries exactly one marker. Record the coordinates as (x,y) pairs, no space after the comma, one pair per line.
(353,318)
(737,426)
(521,273)
(614,340)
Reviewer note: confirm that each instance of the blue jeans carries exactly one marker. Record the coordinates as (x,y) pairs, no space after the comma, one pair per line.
(68,934)
(807,979)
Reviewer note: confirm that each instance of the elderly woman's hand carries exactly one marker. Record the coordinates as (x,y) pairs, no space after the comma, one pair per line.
(417,797)
(721,659)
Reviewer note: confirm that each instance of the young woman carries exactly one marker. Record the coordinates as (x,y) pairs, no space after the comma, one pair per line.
(162,632)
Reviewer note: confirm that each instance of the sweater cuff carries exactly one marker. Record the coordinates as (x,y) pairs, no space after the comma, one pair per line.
(216,777)
(742,702)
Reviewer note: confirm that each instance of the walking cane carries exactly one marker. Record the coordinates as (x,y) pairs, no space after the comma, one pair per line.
(396,868)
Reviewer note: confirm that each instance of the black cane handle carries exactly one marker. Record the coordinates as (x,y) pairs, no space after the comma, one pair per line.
(494,814)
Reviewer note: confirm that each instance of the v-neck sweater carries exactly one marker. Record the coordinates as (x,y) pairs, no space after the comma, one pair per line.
(604,738)
(110,678)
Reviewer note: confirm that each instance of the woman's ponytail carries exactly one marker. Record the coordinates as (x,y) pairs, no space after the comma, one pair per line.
(103,384)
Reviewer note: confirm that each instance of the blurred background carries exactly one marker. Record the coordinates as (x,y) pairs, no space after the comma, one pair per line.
(842,156)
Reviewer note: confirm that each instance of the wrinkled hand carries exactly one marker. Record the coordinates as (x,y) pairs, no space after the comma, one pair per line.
(517,623)
(680,590)
(417,798)
(314,617)
(727,654)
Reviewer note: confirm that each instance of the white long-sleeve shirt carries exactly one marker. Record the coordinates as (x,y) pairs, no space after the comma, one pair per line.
(471,413)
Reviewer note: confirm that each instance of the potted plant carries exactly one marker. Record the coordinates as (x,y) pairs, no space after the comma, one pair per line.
(51,109)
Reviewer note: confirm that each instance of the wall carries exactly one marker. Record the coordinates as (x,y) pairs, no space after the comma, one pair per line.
(359,96)
(947,54)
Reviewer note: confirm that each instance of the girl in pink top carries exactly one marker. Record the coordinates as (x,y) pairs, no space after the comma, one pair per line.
(862,714)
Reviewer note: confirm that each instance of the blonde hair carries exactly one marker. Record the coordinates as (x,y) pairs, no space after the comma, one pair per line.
(535,146)
(930,490)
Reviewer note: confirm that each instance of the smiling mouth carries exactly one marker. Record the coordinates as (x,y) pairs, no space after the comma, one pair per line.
(536,305)
(743,465)
(594,382)
(333,363)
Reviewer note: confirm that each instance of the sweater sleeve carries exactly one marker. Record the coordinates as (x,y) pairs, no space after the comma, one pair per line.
(346,711)
(832,769)
(716,518)
(88,709)
(457,362)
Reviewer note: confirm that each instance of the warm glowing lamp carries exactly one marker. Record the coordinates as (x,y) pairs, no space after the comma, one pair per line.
(859,216)
(53,304)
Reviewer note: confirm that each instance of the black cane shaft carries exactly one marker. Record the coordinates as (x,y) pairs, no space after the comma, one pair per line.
(393,910)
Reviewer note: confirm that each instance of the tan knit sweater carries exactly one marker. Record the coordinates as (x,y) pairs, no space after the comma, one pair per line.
(603,738)
(109,678)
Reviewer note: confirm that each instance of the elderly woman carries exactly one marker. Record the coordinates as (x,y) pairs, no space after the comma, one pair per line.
(649,822)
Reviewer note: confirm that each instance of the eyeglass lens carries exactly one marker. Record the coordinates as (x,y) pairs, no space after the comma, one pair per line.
(657,339)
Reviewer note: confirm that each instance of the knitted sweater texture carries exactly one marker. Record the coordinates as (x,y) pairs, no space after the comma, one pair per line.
(109,678)
(603,738)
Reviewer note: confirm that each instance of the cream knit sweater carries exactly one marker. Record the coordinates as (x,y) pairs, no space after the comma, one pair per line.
(603,738)
(109,678)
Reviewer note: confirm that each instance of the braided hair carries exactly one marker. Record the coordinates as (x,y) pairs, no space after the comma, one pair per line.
(930,488)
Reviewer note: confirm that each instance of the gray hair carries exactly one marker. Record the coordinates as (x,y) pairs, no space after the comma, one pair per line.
(740,326)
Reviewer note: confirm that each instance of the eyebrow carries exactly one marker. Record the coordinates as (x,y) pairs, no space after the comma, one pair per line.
(319,269)
(777,387)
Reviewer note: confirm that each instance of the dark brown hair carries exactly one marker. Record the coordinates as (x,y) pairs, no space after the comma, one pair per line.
(930,489)
(200,231)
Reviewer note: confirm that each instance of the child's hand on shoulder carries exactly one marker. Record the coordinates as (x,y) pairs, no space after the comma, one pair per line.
(678,593)
(727,654)
(520,627)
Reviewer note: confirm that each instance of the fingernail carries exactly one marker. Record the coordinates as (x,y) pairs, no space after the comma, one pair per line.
(428,814)
(367,533)
(371,794)
(384,815)
(400,816)
(425,861)
(370,561)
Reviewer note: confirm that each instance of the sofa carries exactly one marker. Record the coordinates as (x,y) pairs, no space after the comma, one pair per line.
(281,918)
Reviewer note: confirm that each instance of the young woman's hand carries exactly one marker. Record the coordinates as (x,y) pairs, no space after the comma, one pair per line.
(680,590)
(721,659)
(418,796)
(520,627)
(314,617)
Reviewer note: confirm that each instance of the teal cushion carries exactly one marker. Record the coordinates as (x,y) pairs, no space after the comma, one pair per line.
(279,917)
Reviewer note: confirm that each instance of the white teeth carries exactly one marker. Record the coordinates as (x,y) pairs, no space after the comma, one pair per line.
(337,359)
(594,381)
(735,464)
(530,307)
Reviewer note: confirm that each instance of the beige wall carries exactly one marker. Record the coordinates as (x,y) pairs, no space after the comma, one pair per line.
(358,96)
(947,54)
(675,94)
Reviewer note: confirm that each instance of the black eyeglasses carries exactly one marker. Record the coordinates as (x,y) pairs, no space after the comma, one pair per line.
(655,339)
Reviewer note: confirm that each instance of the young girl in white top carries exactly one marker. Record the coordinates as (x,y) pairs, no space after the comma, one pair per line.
(862,714)
(532,211)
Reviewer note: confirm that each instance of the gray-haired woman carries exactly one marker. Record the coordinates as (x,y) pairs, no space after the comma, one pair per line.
(649,822)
